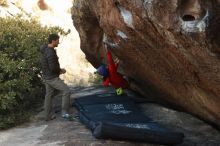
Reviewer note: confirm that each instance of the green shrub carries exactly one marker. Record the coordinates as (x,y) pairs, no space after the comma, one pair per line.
(20,82)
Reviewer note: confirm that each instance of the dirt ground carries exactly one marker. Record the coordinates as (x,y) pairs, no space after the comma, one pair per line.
(60,132)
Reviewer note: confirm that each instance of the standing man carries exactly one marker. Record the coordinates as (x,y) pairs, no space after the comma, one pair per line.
(51,71)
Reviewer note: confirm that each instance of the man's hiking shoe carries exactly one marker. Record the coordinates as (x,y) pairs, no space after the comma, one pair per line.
(68,117)
(76,117)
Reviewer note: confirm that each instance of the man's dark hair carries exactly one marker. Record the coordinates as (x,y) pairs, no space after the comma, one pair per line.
(53,37)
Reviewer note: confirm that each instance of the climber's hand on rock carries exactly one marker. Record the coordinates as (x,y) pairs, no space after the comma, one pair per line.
(62,71)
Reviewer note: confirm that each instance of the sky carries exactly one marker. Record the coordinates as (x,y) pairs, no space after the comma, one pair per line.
(58,13)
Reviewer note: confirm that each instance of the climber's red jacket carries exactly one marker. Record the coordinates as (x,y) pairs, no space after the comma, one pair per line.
(115,78)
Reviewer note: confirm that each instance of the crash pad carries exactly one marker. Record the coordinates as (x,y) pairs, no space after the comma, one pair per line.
(119,117)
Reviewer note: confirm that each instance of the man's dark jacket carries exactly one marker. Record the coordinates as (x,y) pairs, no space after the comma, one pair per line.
(49,63)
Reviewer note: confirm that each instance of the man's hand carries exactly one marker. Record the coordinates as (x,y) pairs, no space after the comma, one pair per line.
(62,71)
(116,61)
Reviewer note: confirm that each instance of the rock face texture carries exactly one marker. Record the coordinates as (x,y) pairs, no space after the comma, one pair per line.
(169,50)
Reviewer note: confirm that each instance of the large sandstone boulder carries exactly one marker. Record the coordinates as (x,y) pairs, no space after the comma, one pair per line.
(168,49)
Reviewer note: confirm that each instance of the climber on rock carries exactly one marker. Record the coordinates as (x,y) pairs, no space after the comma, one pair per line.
(110,74)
